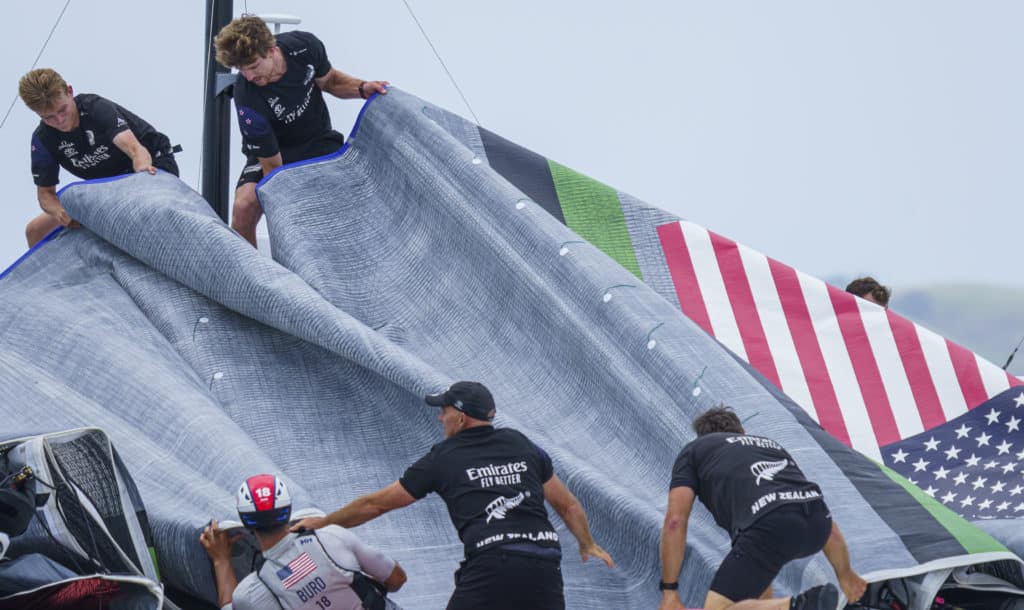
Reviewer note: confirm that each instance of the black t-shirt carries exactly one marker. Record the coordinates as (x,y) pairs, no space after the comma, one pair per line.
(740,478)
(493,483)
(291,113)
(88,151)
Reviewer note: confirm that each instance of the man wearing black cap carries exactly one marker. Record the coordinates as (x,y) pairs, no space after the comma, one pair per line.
(495,482)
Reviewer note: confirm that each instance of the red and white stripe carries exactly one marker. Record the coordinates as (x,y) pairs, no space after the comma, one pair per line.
(301,567)
(869,376)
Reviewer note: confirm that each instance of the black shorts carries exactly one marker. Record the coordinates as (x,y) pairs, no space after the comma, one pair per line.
(758,553)
(501,579)
(324,145)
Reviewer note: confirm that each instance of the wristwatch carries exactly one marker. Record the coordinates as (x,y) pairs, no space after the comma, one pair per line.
(668,586)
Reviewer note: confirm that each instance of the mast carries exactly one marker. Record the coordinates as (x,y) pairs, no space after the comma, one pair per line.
(216,112)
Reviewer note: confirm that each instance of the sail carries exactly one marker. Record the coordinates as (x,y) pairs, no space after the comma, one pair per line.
(402,263)
(868,375)
(873,379)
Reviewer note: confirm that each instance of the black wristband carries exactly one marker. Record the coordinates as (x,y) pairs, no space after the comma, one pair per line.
(362,93)
(668,586)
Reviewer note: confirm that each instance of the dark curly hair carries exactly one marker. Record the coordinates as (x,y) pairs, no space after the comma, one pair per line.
(865,286)
(717,419)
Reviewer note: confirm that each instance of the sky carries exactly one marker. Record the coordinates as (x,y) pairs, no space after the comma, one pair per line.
(839,138)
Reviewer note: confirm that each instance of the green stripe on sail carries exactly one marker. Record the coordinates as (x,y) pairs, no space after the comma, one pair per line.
(156,566)
(973,539)
(592,210)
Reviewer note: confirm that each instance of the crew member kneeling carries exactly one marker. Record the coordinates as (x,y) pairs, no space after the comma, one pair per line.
(755,491)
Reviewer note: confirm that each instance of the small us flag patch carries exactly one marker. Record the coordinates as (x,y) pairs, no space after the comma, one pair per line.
(299,568)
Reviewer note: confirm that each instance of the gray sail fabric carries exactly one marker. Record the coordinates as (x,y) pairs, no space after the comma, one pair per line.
(402,263)
(31,570)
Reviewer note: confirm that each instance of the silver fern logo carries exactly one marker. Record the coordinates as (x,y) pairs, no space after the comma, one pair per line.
(767,470)
(499,508)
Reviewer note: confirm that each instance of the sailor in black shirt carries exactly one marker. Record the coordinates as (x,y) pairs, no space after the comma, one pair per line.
(279,104)
(495,482)
(756,492)
(87,135)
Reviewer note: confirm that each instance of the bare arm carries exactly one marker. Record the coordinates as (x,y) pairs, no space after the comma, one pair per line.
(835,550)
(362,509)
(396,579)
(339,84)
(218,547)
(374,563)
(130,145)
(571,512)
(48,201)
(673,542)
(269,164)
(47,196)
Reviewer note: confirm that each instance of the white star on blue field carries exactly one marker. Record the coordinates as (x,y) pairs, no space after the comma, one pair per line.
(970,463)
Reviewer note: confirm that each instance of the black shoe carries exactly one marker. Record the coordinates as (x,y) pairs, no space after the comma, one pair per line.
(822,597)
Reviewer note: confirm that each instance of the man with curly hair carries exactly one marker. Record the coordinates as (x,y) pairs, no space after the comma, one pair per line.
(755,491)
(279,104)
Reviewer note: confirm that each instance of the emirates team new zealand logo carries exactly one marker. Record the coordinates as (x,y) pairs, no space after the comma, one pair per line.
(767,470)
(500,507)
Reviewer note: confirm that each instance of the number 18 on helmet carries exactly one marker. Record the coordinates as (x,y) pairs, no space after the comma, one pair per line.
(263,502)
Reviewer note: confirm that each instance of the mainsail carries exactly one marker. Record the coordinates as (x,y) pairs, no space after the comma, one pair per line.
(418,254)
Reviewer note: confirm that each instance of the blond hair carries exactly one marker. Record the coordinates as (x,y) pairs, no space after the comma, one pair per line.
(243,41)
(41,88)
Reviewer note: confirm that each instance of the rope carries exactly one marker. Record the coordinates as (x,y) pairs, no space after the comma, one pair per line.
(443,65)
(46,42)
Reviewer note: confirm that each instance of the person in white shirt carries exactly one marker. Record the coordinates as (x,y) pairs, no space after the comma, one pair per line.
(329,568)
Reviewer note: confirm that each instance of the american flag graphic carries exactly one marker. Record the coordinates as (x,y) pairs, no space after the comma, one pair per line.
(297,569)
(973,464)
(869,376)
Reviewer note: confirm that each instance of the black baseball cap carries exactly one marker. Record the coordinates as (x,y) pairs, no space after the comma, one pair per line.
(470,397)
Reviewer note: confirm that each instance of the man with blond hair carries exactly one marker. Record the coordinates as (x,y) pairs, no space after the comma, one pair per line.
(280,105)
(89,136)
